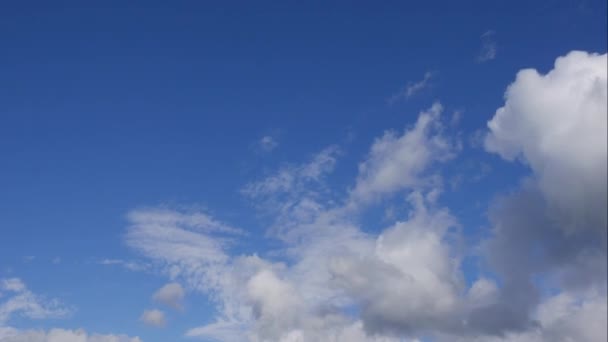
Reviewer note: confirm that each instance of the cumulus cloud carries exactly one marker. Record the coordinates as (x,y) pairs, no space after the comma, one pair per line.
(61,335)
(560,318)
(153,318)
(171,295)
(335,278)
(335,267)
(410,263)
(555,124)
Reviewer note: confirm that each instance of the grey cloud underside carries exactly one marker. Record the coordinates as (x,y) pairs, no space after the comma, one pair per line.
(336,281)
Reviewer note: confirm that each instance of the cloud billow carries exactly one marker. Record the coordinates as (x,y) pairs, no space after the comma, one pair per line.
(332,279)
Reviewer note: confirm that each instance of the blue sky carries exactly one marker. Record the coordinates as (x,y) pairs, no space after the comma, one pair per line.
(261,129)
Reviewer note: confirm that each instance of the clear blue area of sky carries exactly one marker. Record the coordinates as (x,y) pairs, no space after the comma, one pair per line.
(106,106)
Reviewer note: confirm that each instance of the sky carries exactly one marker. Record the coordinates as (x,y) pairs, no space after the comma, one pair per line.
(227,171)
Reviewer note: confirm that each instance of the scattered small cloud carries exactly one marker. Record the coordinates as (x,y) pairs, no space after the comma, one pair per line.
(153,318)
(456,117)
(488,48)
(29,258)
(128,264)
(267,143)
(18,300)
(171,295)
(413,88)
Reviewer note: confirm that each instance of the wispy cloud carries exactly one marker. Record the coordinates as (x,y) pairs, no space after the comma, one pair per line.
(487,52)
(413,88)
(17,299)
(128,264)
(267,143)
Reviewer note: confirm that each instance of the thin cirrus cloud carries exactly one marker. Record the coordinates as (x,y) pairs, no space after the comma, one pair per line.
(267,143)
(336,267)
(488,49)
(414,88)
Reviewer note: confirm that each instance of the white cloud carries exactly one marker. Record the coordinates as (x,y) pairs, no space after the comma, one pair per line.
(410,282)
(338,280)
(557,123)
(268,143)
(294,178)
(220,330)
(153,318)
(171,294)
(294,193)
(488,48)
(413,88)
(396,162)
(259,300)
(60,335)
(195,219)
(128,264)
(16,299)
(12,284)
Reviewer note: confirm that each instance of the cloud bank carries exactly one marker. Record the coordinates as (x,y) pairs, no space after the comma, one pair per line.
(335,278)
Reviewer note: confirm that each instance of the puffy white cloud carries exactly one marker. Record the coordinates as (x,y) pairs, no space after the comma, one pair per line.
(154,318)
(557,124)
(411,281)
(171,294)
(61,335)
(311,299)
